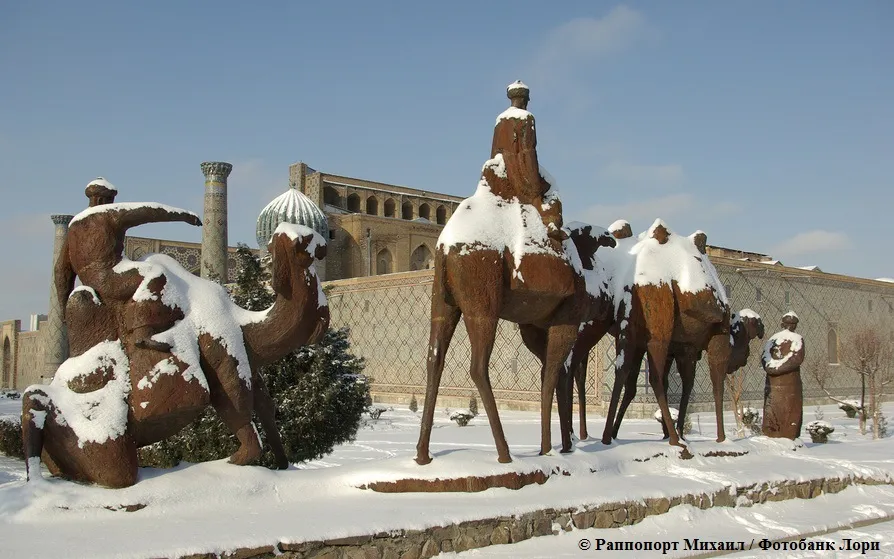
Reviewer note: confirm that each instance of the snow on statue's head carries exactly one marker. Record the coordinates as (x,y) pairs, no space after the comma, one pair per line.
(100,191)
(790,321)
(518,94)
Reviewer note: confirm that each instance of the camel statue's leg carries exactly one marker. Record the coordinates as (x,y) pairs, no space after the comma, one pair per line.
(233,403)
(718,357)
(560,341)
(265,409)
(657,353)
(580,379)
(444,318)
(632,376)
(482,333)
(587,338)
(666,376)
(32,433)
(686,364)
(624,346)
(535,339)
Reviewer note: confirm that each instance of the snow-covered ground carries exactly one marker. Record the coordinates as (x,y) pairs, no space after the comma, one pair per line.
(216,506)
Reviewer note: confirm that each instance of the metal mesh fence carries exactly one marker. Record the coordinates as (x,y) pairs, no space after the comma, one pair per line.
(389,320)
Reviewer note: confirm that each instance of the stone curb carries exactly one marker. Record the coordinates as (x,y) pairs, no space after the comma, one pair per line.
(422,544)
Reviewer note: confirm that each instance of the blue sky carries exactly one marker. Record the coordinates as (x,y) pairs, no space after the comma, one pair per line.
(770,125)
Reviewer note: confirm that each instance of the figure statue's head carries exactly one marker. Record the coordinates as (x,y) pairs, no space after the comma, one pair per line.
(100,191)
(790,321)
(518,94)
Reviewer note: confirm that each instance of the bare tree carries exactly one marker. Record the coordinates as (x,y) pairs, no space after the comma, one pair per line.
(735,387)
(869,352)
(822,373)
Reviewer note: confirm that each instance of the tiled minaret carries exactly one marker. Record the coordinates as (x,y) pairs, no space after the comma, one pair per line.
(55,337)
(214,221)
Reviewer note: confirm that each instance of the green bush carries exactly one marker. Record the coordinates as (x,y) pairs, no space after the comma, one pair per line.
(319,391)
(11,437)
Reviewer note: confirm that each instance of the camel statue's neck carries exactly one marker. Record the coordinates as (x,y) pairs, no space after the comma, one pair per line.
(739,355)
(290,321)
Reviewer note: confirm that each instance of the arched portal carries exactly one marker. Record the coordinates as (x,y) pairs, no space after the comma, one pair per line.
(331,197)
(390,208)
(354,203)
(406,210)
(421,259)
(5,380)
(372,206)
(441,214)
(832,345)
(425,211)
(384,262)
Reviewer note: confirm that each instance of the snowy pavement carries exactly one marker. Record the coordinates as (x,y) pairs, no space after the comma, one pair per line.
(216,506)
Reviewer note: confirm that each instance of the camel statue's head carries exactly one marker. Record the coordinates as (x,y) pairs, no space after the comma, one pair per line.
(751,322)
(294,249)
(587,240)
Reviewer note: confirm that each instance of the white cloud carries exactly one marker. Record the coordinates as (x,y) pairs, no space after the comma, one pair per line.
(813,241)
(584,40)
(643,175)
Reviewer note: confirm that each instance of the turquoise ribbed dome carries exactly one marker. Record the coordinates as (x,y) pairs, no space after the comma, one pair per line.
(290,207)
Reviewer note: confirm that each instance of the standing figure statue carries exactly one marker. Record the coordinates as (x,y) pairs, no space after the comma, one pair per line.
(515,137)
(783,398)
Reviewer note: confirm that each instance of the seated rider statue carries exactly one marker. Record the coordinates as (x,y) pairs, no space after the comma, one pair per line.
(95,245)
(515,137)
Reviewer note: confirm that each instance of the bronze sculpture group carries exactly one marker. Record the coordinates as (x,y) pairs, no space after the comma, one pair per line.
(152,346)
(566,297)
(145,353)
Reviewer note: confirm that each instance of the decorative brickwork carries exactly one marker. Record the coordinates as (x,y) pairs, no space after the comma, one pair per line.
(56,340)
(214,220)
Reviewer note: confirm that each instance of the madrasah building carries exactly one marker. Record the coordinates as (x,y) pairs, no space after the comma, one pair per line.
(381,242)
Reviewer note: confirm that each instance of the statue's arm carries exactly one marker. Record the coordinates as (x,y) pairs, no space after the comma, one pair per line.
(148,214)
(63,276)
(793,362)
(527,155)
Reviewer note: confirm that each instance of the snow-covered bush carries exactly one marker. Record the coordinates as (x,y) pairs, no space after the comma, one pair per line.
(462,417)
(414,405)
(11,394)
(850,408)
(751,418)
(319,391)
(675,414)
(882,425)
(375,412)
(11,437)
(819,431)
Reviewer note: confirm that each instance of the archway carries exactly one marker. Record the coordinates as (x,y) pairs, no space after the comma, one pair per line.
(832,345)
(406,210)
(5,381)
(331,197)
(441,215)
(421,259)
(354,203)
(390,207)
(384,262)
(372,206)
(425,211)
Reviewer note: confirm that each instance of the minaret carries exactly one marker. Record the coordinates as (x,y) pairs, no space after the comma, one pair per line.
(55,338)
(214,220)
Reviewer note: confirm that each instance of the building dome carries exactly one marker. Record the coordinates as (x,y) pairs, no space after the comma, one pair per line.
(290,207)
